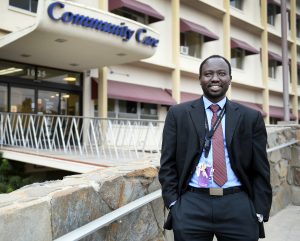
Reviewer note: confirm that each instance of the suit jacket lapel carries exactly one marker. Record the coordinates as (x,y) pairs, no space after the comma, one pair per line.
(197,114)
(232,118)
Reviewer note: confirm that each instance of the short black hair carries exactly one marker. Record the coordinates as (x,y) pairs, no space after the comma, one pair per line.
(211,57)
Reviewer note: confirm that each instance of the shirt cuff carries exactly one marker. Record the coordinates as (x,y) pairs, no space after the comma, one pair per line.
(260,217)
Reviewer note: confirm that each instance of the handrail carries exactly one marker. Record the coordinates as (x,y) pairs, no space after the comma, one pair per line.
(282,146)
(107,219)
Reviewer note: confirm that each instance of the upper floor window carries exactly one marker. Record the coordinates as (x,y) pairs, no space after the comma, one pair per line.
(29,5)
(298,73)
(298,26)
(273,10)
(136,16)
(191,44)
(274,61)
(135,10)
(192,38)
(237,4)
(239,50)
(272,68)
(237,58)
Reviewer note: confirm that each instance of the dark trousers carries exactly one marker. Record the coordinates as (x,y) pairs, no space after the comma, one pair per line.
(199,216)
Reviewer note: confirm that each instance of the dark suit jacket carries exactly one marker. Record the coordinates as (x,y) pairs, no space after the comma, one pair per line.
(246,139)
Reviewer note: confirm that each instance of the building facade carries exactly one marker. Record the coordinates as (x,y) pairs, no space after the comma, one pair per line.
(144,56)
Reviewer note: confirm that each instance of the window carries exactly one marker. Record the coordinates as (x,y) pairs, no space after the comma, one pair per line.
(22,100)
(237,4)
(272,12)
(136,16)
(132,110)
(298,73)
(29,5)
(237,58)
(298,27)
(3,98)
(69,104)
(193,41)
(272,68)
(149,111)
(274,121)
(127,109)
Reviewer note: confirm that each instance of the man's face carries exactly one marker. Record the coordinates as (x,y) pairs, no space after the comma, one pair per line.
(215,79)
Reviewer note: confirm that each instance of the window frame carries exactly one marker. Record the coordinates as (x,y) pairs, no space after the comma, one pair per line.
(272,69)
(114,110)
(184,42)
(31,8)
(238,4)
(238,64)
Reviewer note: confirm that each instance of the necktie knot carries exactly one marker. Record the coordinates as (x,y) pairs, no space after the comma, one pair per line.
(214,108)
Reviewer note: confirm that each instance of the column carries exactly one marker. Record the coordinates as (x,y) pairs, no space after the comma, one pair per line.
(294,77)
(176,50)
(265,59)
(226,36)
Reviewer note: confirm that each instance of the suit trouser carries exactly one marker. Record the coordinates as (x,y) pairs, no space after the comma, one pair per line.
(199,216)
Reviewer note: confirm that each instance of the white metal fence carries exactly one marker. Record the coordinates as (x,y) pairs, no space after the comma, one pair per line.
(85,136)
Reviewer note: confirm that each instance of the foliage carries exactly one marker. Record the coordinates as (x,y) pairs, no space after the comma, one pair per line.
(12,176)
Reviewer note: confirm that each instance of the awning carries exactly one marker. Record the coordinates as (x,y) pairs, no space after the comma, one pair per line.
(278,112)
(139,7)
(132,92)
(235,43)
(254,106)
(188,26)
(185,96)
(274,56)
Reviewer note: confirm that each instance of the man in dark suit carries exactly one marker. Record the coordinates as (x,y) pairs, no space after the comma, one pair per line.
(214,171)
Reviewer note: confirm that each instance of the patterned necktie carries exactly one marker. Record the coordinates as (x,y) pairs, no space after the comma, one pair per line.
(219,162)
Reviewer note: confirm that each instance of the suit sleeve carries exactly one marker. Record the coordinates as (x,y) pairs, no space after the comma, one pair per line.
(262,190)
(168,175)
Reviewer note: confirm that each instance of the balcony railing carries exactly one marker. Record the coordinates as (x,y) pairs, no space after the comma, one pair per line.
(85,136)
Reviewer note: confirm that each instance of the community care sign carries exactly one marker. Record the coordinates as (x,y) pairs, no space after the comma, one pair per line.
(121,30)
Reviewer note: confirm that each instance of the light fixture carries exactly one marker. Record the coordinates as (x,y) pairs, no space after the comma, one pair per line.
(121,54)
(10,71)
(74,64)
(69,78)
(66,96)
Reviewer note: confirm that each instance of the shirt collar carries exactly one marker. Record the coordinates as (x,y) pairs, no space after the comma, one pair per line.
(208,103)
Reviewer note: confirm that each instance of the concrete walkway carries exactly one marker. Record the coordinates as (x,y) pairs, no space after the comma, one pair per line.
(284,225)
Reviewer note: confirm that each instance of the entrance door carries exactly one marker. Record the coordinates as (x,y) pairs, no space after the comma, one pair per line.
(48,102)
(69,104)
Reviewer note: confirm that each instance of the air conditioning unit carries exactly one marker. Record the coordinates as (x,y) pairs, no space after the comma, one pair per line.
(184,50)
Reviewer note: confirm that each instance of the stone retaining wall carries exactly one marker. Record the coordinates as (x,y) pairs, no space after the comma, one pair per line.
(45,211)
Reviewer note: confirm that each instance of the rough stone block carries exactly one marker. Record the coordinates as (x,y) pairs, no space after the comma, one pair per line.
(121,191)
(275,180)
(295,156)
(138,225)
(295,195)
(26,222)
(290,176)
(275,156)
(74,207)
(281,199)
(286,153)
(297,176)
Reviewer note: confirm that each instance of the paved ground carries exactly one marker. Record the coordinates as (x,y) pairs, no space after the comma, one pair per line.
(284,226)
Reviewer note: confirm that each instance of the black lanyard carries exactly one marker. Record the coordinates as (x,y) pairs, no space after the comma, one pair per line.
(209,134)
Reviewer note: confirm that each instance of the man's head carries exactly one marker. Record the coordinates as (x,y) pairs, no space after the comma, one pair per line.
(215,77)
